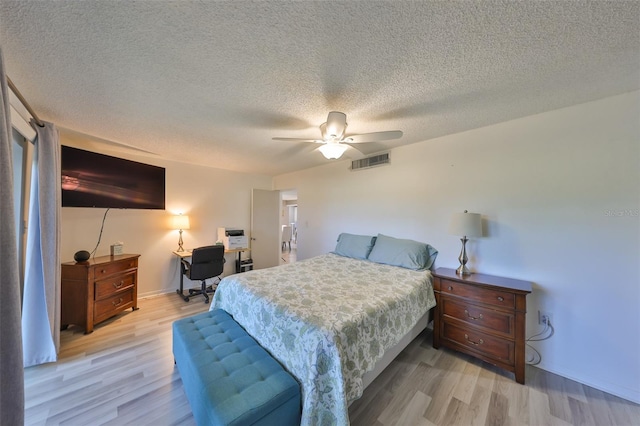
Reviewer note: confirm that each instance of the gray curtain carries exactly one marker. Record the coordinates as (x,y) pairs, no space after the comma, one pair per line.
(41,303)
(11,370)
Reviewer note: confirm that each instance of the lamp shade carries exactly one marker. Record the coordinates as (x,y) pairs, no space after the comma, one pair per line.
(466,224)
(333,150)
(180,221)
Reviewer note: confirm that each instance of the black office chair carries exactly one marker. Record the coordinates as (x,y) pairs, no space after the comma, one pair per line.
(206,262)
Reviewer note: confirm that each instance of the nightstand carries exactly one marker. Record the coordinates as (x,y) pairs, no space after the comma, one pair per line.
(483,316)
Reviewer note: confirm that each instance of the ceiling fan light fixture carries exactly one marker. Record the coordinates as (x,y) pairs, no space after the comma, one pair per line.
(334,141)
(323,131)
(336,125)
(333,150)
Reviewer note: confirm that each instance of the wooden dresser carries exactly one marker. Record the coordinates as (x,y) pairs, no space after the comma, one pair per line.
(483,316)
(98,289)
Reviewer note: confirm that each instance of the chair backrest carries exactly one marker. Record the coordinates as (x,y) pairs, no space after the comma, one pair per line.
(286,233)
(207,262)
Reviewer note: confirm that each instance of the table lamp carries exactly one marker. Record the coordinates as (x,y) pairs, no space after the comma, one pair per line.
(180,222)
(466,225)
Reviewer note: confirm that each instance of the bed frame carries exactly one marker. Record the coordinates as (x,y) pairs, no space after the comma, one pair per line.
(394,351)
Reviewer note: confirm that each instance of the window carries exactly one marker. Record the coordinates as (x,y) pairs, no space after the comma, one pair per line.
(21,171)
(18,165)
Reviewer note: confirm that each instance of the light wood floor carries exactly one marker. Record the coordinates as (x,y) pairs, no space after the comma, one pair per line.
(289,256)
(123,373)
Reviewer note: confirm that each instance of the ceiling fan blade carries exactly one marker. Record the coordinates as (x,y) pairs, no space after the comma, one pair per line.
(370,148)
(374,137)
(360,148)
(298,149)
(297,140)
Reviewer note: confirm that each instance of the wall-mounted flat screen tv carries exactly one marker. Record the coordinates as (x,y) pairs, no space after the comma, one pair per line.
(90,179)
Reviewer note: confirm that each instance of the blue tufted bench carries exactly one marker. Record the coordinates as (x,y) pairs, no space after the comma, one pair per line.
(228,377)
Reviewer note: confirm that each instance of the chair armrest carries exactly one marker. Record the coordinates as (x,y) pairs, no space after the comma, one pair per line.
(185,267)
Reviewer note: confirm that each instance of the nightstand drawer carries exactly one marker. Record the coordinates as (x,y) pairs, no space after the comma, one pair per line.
(499,349)
(112,305)
(114,267)
(492,297)
(114,284)
(495,321)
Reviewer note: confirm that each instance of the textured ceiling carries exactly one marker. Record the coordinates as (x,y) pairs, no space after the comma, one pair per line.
(213,82)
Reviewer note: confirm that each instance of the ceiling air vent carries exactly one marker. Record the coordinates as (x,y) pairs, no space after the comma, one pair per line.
(367,163)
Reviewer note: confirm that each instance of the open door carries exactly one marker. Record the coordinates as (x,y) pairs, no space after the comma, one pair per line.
(265,228)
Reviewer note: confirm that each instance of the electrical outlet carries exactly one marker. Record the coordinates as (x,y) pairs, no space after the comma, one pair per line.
(545,317)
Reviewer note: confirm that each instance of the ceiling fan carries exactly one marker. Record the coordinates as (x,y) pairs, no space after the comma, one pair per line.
(334,140)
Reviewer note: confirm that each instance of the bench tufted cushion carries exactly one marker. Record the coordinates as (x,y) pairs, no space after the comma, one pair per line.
(228,377)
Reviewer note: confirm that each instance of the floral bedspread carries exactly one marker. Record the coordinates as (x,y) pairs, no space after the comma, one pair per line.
(328,320)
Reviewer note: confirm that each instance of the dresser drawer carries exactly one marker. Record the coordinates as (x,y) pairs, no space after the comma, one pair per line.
(114,284)
(114,267)
(491,297)
(495,321)
(499,349)
(110,306)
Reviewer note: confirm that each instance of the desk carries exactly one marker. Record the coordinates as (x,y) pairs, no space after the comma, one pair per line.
(187,253)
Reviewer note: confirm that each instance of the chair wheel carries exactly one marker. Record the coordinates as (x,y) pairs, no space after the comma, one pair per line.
(186,298)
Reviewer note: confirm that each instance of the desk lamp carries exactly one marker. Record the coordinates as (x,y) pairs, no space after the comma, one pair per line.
(466,225)
(180,222)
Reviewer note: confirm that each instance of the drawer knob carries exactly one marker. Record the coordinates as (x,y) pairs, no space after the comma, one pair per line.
(119,302)
(479,317)
(449,288)
(500,299)
(116,285)
(102,271)
(479,342)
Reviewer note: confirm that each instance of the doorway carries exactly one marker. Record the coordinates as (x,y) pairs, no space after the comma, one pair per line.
(289,225)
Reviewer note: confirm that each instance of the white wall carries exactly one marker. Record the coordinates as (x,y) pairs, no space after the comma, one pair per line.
(211,197)
(559,193)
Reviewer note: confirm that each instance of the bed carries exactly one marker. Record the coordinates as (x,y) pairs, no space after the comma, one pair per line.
(330,320)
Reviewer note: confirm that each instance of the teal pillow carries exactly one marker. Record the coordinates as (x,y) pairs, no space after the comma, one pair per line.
(404,253)
(356,246)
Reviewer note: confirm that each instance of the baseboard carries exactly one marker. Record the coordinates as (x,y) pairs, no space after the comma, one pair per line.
(149,294)
(611,388)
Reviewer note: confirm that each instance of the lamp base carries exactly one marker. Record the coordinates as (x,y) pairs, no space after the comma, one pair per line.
(180,248)
(463,270)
